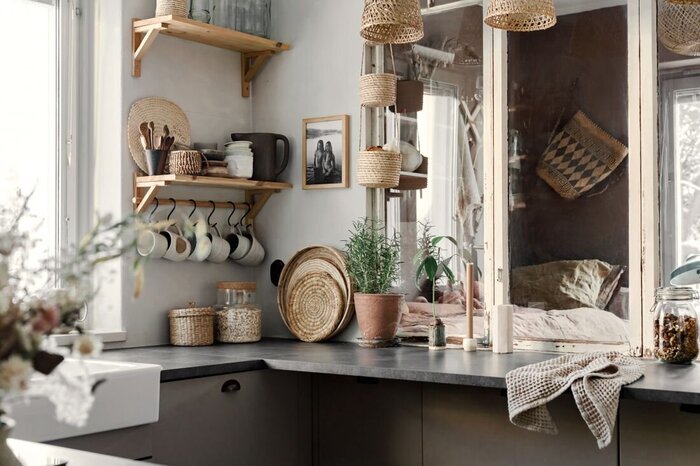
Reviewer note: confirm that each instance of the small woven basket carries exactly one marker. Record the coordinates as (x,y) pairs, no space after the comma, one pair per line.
(391,22)
(377,90)
(521,15)
(193,326)
(379,169)
(185,162)
(679,28)
(171,7)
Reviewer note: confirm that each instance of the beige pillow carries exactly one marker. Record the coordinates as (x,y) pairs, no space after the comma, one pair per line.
(560,285)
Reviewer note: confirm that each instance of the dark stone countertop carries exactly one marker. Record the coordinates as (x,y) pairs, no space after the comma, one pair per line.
(662,382)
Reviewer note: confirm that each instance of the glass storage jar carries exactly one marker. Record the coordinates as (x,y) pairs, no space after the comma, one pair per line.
(240,321)
(676,325)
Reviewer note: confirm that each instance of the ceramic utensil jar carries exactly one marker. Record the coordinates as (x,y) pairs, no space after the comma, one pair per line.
(266,166)
(676,325)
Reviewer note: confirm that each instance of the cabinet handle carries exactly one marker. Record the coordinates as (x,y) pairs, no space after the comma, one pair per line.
(230,386)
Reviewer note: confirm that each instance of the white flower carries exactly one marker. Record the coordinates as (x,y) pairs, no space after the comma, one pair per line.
(87,346)
(14,375)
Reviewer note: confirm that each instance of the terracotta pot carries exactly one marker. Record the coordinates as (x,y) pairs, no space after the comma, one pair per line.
(378,315)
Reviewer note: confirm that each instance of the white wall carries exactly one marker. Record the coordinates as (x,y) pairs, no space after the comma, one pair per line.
(318,77)
(205,83)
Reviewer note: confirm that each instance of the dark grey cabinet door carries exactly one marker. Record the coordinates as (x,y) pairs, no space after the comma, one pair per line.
(470,426)
(658,433)
(367,422)
(255,420)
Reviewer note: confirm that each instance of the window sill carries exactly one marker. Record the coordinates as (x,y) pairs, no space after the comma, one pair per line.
(105,336)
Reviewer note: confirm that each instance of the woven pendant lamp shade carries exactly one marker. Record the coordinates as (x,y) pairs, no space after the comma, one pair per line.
(392,22)
(521,15)
(679,28)
(684,2)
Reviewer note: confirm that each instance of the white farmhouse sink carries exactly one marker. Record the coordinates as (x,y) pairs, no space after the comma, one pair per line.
(129,397)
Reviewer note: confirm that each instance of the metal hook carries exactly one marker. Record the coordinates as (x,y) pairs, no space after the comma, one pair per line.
(194,207)
(213,209)
(173,209)
(240,222)
(233,206)
(150,216)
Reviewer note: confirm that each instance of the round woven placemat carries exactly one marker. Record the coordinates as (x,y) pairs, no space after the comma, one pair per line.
(161,112)
(327,254)
(315,307)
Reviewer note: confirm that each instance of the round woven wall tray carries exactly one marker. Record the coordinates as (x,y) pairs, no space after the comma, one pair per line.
(307,267)
(313,253)
(161,112)
(315,307)
(679,28)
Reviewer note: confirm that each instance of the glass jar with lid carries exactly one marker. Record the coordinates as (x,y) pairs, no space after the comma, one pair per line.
(676,325)
(239,320)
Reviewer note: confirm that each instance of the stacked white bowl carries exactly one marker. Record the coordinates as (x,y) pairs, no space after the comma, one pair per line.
(240,159)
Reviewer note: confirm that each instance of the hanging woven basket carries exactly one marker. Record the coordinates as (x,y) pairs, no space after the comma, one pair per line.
(377,90)
(378,168)
(171,7)
(521,15)
(392,22)
(679,28)
(684,2)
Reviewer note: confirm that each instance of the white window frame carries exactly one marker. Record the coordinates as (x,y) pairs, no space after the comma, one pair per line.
(644,226)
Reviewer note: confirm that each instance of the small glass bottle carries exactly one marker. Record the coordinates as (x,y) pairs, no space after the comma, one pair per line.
(676,325)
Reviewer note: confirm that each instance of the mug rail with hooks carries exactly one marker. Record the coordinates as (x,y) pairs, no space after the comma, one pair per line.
(257,193)
(194,205)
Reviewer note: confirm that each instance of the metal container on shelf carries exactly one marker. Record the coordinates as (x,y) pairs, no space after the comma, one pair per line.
(238,319)
(676,325)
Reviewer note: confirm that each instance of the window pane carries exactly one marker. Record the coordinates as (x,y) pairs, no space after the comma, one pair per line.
(28,119)
(679,147)
(568,177)
(446,190)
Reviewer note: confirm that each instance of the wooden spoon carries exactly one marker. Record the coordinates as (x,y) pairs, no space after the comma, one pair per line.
(145,135)
(152,128)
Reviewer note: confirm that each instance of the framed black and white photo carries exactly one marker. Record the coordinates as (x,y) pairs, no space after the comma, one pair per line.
(325,152)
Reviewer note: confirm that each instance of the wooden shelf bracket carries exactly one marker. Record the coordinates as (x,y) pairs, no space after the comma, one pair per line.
(251,63)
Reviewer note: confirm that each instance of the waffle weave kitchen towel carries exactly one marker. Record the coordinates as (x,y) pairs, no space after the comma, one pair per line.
(594,378)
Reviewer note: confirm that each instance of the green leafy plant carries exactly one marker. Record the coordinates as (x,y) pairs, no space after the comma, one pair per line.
(372,257)
(430,261)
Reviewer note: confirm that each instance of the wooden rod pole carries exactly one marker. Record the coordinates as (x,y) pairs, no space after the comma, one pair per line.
(469,298)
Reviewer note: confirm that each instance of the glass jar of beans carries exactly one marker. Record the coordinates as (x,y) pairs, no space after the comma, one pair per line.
(676,325)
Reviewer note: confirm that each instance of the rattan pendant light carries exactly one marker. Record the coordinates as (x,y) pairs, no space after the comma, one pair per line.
(679,28)
(392,22)
(684,2)
(521,15)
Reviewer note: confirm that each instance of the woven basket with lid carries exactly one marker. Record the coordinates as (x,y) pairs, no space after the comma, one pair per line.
(521,15)
(378,168)
(679,27)
(192,326)
(171,7)
(391,22)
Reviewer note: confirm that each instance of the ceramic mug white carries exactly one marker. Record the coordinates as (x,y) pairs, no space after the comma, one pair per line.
(220,248)
(201,248)
(256,254)
(179,248)
(151,244)
(240,244)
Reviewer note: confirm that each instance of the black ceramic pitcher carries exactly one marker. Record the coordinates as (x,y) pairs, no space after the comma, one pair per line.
(265,166)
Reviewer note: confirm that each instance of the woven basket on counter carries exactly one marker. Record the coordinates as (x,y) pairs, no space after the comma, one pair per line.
(185,162)
(378,168)
(679,28)
(171,7)
(193,326)
(377,90)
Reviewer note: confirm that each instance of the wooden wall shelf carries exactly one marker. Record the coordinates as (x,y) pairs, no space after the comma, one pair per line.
(255,51)
(257,193)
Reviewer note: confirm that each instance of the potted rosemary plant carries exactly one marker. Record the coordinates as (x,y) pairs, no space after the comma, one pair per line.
(434,267)
(373,265)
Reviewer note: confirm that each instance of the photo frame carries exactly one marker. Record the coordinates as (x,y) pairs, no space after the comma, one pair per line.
(326,152)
